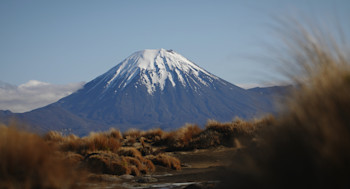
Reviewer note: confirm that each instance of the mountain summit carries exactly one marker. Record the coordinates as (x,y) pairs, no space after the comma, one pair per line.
(150,89)
(153,69)
(160,88)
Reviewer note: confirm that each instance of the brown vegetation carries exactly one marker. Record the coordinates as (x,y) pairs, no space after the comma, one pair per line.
(133,152)
(215,134)
(165,160)
(129,151)
(26,161)
(309,145)
(105,141)
(153,135)
(106,163)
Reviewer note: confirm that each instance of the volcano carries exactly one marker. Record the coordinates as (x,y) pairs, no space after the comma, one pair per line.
(152,88)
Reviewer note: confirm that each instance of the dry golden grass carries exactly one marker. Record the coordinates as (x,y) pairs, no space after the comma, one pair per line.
(103,153)
(134,161)
(149,165)
(239,127)
(165,160)
(106,141)
(153,135)
(111,152)
(101,141)
(181,138)
(132,133)
(131,136)
(129,151)
(73,159)
(106,163)
(113,133)
(53,136)
(135,158)
(77,145)
(27,161)
(142,165)
(215,133)
(187,133)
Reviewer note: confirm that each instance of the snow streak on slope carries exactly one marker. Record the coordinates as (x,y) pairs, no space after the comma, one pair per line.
(154,68)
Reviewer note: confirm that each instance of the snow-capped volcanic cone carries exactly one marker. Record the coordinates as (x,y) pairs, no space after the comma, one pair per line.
(160,88)
(155,68)
(149,89)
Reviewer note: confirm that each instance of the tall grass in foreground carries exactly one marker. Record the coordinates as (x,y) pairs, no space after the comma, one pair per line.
(308,146)
(26,161)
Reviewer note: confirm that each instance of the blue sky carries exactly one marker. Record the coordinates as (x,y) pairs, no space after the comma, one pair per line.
(63,42)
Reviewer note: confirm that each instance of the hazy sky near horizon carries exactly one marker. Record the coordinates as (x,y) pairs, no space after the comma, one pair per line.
(62,42)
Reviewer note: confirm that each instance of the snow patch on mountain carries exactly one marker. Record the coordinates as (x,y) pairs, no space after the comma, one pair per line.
(155,67)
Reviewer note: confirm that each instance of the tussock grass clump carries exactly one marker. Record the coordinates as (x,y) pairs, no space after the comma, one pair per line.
(135,158)
(131,136)
(165,160)
(116,134)
(129,151)
(27,161)
(134,170)
(102,141)
(225,134)
(77,145)
(132,133)
(153,135)
(187,133)
(142,165)
(135,164)
(149,165)
(105,141)
(107,163)
(73,159)
(125,161)
(102,153)
(215,133)
(181,138)
(239,127)
(53,136)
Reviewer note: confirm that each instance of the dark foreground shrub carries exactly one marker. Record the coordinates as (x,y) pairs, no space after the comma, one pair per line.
(309,145)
